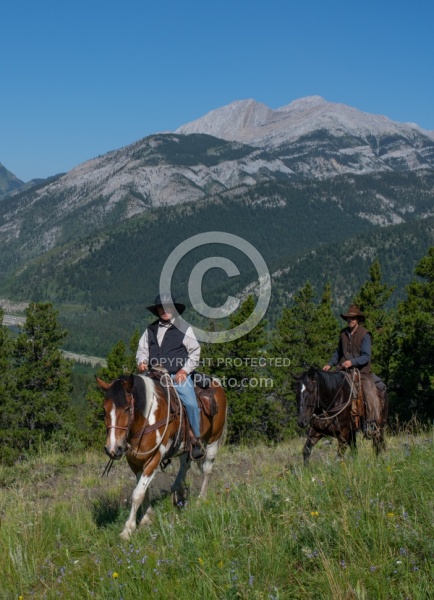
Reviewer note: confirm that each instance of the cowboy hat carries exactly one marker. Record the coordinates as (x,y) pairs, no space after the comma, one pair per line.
(165,301)
(353,311)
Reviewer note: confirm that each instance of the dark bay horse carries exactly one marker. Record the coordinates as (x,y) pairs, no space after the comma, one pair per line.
(142,425)
(326,406)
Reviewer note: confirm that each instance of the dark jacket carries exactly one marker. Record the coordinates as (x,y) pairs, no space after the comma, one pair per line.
(356,346)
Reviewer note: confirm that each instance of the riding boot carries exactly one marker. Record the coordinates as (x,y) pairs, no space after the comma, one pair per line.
(371,429)
(197,450)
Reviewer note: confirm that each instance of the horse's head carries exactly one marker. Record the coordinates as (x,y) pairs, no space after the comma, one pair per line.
(118,414)
(307,396)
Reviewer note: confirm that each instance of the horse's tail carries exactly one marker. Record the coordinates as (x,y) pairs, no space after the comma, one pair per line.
(222,439)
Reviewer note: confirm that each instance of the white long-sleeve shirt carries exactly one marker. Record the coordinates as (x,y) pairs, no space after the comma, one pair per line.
(189,342)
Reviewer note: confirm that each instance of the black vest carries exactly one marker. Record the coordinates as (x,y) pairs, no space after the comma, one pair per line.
(172,354)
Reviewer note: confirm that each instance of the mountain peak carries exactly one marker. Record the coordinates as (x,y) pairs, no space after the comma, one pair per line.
(305,103)
(254,123)
(232,122)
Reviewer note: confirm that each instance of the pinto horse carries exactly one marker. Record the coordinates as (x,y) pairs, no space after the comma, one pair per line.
(142,423)
(325,406)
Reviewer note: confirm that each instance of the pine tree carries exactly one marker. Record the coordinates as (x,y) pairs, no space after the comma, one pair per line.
(42,375)
(306,334)
(413,375)
(371,300)
(7,394)
(253,413)
(119,362)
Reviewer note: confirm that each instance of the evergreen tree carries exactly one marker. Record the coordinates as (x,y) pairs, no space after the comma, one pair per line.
(371,300)
(7,393)
(41,400)
(306,334)
(413,375)
(253,413)
(119,362)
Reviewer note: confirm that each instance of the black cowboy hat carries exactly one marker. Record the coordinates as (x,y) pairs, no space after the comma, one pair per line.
(165,300)
(354,311)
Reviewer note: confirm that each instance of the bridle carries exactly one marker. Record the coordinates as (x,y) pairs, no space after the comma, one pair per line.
(166,382)
(325,414)
(130,410)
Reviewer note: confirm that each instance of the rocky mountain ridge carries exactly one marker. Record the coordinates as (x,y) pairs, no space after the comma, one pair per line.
(251,122)
(309,139)
(8,182)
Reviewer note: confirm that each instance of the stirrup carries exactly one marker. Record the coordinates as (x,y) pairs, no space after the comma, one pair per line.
(165,462)
(371,429)
(197,451)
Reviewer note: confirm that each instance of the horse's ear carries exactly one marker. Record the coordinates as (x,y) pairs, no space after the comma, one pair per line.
(102,384)
(311,372)
(129,384)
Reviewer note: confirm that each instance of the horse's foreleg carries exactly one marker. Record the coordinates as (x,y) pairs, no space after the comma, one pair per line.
(352,442)
(313,437)
(139,494)
(379,441)
(146,510)
(178,491)
(342,447)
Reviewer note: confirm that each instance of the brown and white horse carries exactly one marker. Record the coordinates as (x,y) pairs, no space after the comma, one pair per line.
(142,425)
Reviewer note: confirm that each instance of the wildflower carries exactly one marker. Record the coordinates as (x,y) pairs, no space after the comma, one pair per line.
(251,580)
(20,597)
(200,560)
(115,575)
(314,513)
(343,564)
(389,469)
(373,568)
(390,515)
(220,565)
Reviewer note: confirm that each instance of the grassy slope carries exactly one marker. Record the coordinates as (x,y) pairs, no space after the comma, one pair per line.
(270,529)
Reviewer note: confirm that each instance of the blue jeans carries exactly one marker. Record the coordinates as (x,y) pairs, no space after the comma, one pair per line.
(188,398)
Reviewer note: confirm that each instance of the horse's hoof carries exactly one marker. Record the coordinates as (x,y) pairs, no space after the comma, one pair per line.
(125,535)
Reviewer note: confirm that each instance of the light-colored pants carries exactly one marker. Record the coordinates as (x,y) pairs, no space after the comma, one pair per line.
(188,398)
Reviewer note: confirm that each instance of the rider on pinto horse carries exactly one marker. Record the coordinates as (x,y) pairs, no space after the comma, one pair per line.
(165,345)
(354,351)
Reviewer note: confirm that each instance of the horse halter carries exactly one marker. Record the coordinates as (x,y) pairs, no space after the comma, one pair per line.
(130,410)
(316,403)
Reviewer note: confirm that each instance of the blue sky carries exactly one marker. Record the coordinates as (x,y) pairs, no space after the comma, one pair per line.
(79,79)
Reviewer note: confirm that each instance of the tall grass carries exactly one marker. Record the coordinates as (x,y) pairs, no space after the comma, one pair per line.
(270,529)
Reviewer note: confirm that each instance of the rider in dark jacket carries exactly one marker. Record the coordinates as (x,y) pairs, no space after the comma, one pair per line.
(354,351)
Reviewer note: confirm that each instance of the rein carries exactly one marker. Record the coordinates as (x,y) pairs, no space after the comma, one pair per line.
(339,408)
(148,428)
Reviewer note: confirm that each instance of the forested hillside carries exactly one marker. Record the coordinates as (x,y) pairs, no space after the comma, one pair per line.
(102,282)
(35,389)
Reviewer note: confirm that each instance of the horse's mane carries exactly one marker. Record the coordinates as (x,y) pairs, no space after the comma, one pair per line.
(116,392)
(329,381)
(140,393)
